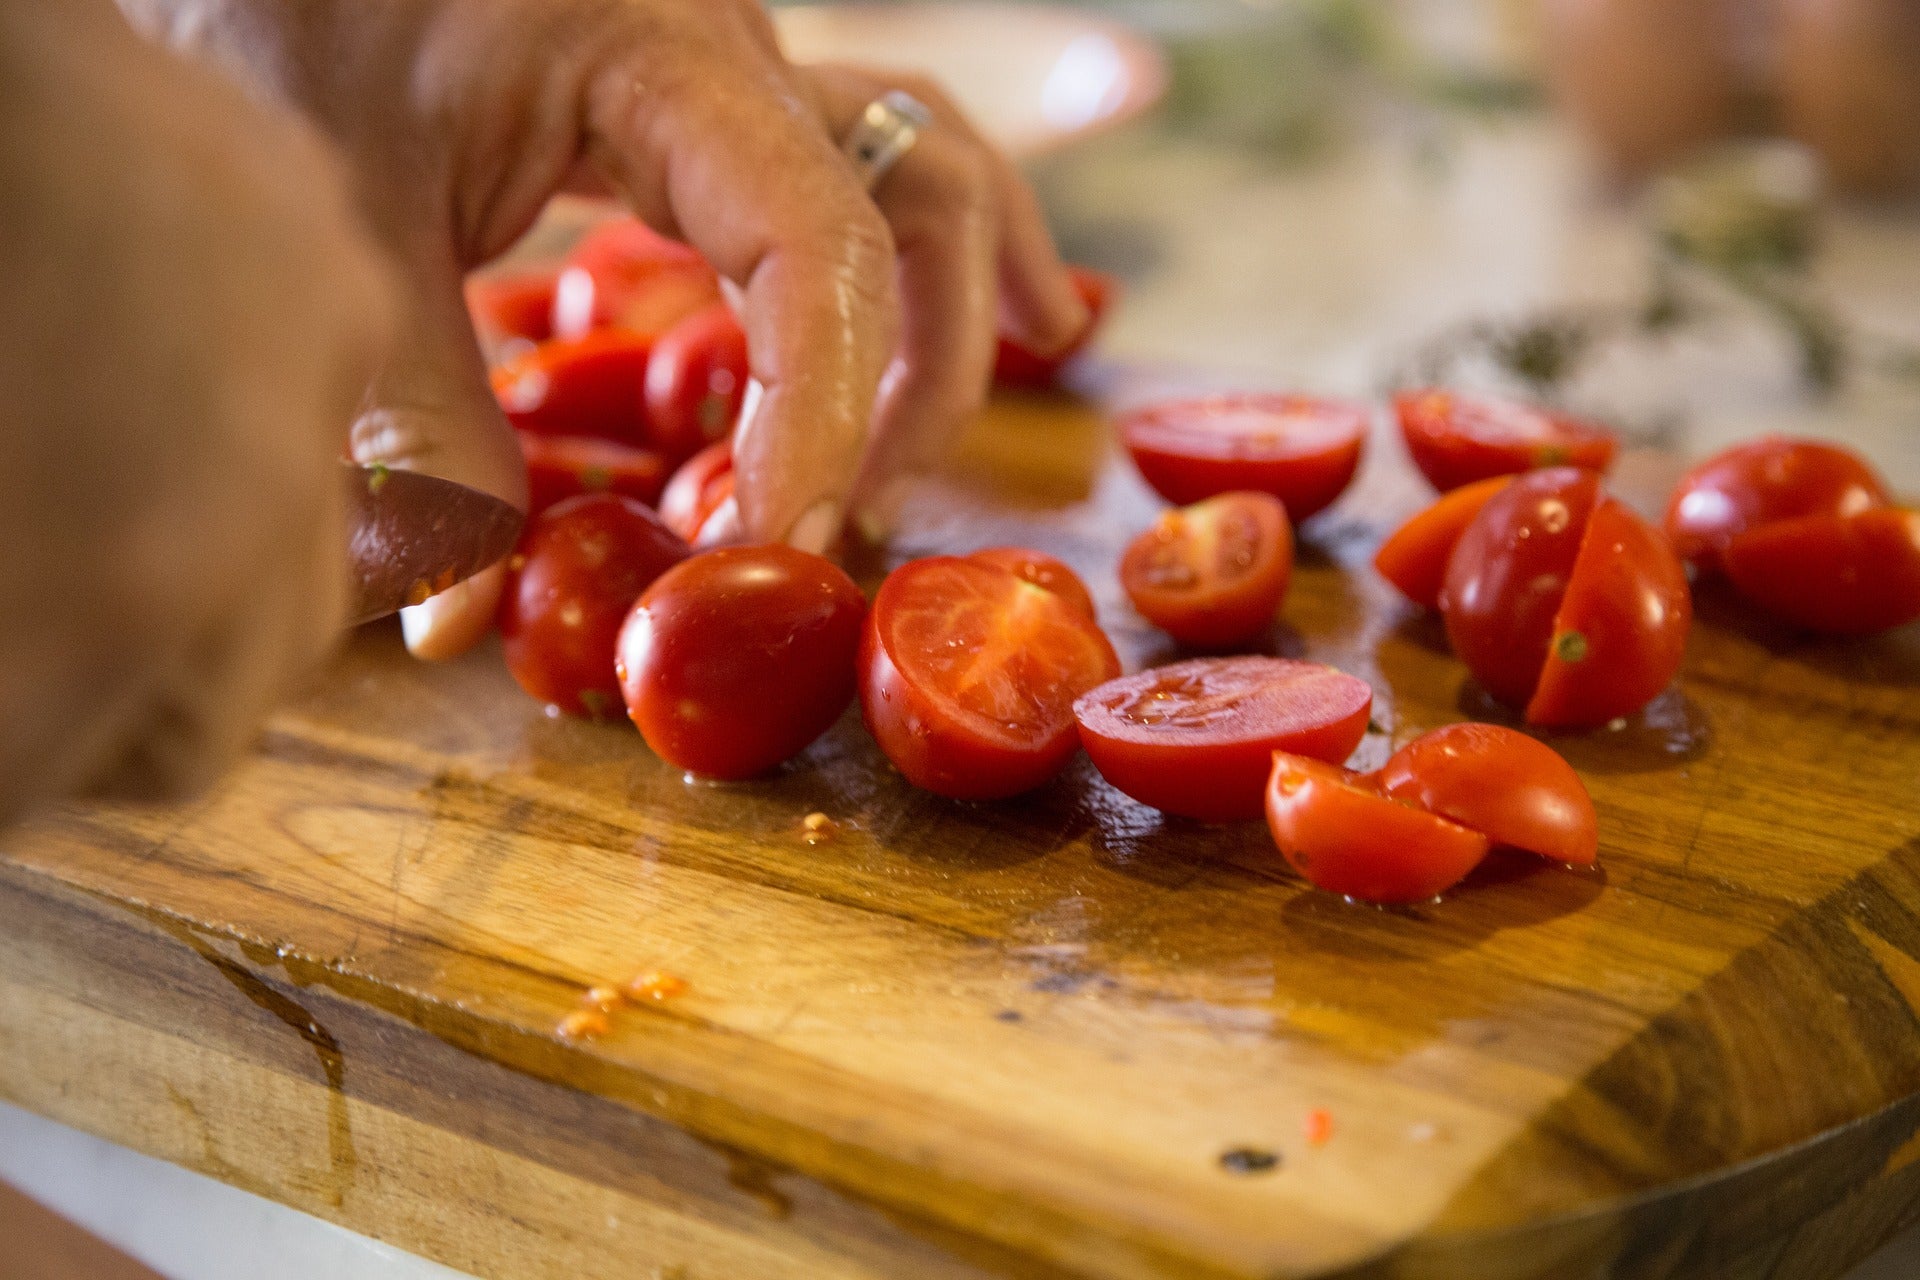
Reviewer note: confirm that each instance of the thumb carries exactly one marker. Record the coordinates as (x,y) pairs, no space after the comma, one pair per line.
(431,409)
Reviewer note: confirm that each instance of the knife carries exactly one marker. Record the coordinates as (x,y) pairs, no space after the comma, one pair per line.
(412,536)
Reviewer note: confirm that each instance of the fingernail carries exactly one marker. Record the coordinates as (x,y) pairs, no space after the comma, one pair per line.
(447,625)
(818,527)
(722,528)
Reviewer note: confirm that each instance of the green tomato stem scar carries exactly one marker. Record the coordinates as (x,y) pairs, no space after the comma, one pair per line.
(1570,646)
(377,475)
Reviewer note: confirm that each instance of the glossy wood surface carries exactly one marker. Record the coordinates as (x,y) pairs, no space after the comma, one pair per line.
(1057,1037)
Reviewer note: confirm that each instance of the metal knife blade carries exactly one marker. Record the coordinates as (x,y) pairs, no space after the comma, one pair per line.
(411,536)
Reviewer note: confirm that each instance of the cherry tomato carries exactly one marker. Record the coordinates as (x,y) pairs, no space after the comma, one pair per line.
(1415,558)
(1213,574)
(580,566)
(1503,784)
(512,305)
(696,381)
(1343,836)
(1301,449)
(560,467)
(1197,738)
(969,675)
(623,274)
(1457,439)
(1016,366)
(1773,478)
(738,659)
(591,386)
(1042,571)
(697,489)
(1844,575)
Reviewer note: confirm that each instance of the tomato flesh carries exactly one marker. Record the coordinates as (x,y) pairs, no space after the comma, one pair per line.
(590,386)
(1344,836)
(1506,786)
(1457,439)
(1762,481)
(1212,575)
(738,659)
(1041,570)
(562,467)
(969,676)
(1841,575)
(512,305)
(696,381)
(1197,738)
(624,275)
(697,489)
(1018,366)
(1301,449)
(580,566)
(1414,559)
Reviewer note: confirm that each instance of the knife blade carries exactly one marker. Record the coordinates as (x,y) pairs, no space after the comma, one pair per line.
(411,536)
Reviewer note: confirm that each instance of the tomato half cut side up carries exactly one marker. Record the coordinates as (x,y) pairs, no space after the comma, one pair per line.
(1762,481)
(1344,836)
(1848,576)
(1414,559)
(1197,738)
(1301,449)
(562,467)
(1212,575)
(1621,630)
(1041,570)
(968,675)
(1457,439)
(1510,788)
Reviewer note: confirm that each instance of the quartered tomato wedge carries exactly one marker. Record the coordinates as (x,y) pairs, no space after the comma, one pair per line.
(1016,366)
(1414,559)
(516,304)
(696,380)
(1457,439)
(1301,449)
(591,386)
(1843,575)
(561,467)
(968,675)
(1042,571)
(1505,785)
(1339,832)
(1757,483)
(697,489)
(623,274)
(1197,738)
(1213,574)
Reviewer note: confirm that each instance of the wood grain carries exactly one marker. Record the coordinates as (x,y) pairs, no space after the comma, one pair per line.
(1013,1039)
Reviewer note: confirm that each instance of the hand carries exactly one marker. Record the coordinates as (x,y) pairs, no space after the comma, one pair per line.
(187,319)
(461,118)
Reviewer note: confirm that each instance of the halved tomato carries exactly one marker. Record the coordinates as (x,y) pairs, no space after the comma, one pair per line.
(623,274)
(697,489)
(1761,481)
(1301,449)
(1457,439)
(1503,784)
(1041,570)
(1414,558)
(1213,574)
(1843,575)
(968,676)
(1197,738)
(591,386)
(696,381)
(1016,366)
(559,467)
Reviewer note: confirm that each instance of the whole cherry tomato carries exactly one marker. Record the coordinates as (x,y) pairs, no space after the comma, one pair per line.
(697,489)
(737,659)
(1457,439)
(969,675)
(580,566)
(696,381)
(1212,575)
(623,274)
(1414,558)
(1340,833)
(1042,571)
(516,304)
(1503,784)
(1843,575)
(591,386)
(561,467)
(1301,449)
(1016,366)
(1757,483)
(1197,738)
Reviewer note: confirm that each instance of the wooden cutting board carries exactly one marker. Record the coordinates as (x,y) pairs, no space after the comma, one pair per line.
(1061,1036)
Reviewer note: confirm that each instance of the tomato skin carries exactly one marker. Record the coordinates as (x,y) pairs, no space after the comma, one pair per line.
(622,274)
(1414,558)
(580,566)
(697,489)
(1839,575)
(737,659)
(1457,439)
(1016,366)
(1197,738)
(1759,482)
(512,305)
(562,467)
(1041,570)
(590,386)
(696,381)
(1509,573)
(1301,449)
(1500,783)
(1343,836)
(1027,655)
(1212,575)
